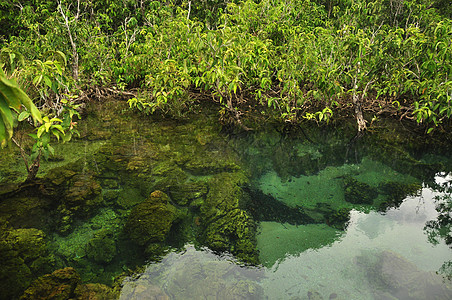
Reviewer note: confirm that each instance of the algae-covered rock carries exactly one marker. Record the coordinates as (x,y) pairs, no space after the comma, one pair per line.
(82,198)
(210,163)
(24,255)
(151,220)
(102,247)
(15,275)
(29,242)
(78,193)
(357,192)
(396,192)
(183,194)
(228,227)
(64,284)
(60,285)
(339,218)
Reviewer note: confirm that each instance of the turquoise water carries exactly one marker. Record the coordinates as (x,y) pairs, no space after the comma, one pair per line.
(164,209)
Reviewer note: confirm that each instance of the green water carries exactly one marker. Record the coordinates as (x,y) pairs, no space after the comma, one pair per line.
(144,208)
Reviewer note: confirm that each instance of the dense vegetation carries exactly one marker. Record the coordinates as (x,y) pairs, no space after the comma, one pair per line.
(300,59)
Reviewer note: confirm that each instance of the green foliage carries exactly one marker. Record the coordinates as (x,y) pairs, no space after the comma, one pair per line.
(12,99)
(302,59)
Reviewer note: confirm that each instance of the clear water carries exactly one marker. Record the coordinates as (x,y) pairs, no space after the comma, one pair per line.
(379,256)
(314,242)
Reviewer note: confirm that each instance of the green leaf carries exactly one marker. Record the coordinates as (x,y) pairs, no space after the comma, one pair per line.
(6,117)
(26,101)
(37,80)
(23,115)
(3,135)
(47,81)
(56,133)
(8,92)
(51,150)
(41,130)
(59,127)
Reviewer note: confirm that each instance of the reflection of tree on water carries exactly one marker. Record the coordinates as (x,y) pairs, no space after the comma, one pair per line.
(441,227)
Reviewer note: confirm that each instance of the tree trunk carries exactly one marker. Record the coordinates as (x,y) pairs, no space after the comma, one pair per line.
(359,113)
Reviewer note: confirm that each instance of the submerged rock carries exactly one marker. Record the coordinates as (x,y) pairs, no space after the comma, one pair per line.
(394,276)
(24,256)
(357,192)
(396,192)
(184,194)
(101,248)
(150,221)
(60,285)
(194,274)
(64,284)
(227,226)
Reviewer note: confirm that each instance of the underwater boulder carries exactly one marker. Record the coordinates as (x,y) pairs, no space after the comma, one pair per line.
(151,220)
(339,218)
(77,192)
(81,199)
(24,256)
(60,285)
(30,243)
(396,277)
(396,192)
(101,248)
(185,193)
(357,192)
(194,274)
(227,226)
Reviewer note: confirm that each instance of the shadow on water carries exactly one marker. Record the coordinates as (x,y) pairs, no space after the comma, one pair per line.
(142,209)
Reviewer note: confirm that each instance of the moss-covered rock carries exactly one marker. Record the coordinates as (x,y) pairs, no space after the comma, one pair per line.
(150,221)
(339,218)
(357,192)
(77,192)
(24,256)
(60,285)
(183,194)
(102,247)
(396,192)
(227,226)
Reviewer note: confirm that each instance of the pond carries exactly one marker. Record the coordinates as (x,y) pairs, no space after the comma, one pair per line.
(138,208)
